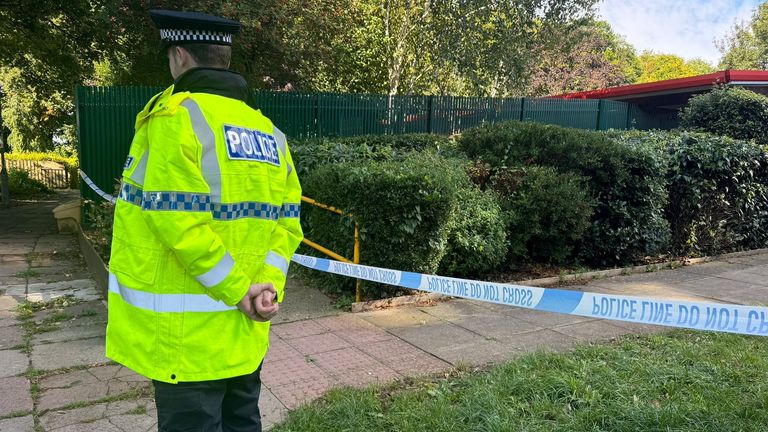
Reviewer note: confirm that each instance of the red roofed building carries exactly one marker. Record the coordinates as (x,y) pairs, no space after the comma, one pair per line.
(658,102)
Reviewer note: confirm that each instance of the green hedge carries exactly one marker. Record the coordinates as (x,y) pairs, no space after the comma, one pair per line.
(628,220)
(546,212)
(311,153)
(22,186)
(477,236)
(731,111)
(39,156)
(404,209)
(718,194)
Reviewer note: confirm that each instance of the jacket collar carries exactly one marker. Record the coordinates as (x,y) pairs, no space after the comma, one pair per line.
(221,82)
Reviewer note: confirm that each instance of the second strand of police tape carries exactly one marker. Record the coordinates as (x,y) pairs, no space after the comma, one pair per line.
(751,320)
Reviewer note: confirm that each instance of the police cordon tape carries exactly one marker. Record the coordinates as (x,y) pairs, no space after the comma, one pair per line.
(749,320)
(96,189)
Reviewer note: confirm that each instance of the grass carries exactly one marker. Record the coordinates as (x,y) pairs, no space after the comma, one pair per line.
(674,381)
(27,274)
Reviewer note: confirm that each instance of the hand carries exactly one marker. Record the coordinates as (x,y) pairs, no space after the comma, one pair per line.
(248,302)
(266,304)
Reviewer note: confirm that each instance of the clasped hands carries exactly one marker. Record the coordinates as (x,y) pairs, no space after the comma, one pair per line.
(259,303)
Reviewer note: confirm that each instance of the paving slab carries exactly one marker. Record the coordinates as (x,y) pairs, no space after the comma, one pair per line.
(87,385)
(14,290)
(18,424)
(539,318)
(272,410)
(68,354)
(478,353)
(279,350)
(21,400)
(298,329)
(13,363)
(390,319)
(318,343)
(495,326)
(81,289)
(292,395)
(4,258)
(11,336)
(8,318)
(436,336)
(81,310)
(302,302)
(276,374)
(592,330)
(137,415)
(541,340)
(69,333)
(19,248)
(8,302)
(13,268)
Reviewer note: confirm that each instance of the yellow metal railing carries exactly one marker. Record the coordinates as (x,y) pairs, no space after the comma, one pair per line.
(332,254)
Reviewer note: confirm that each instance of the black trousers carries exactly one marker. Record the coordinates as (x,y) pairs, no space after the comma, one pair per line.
(227,405)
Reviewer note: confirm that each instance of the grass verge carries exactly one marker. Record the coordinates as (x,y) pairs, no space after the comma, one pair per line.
(673,381)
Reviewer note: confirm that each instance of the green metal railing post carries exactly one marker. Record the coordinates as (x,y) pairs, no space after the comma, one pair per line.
(599,111)
(429,113)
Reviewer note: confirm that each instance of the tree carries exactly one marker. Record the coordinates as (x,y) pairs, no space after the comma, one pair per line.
(592,57)
(658,67)
(46,48)
(746,46)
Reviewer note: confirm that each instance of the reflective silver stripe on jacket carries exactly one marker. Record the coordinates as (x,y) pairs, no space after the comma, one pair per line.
(210,162)
(218,273)
(282,144)
(278,261)
(166,302)
(141,169)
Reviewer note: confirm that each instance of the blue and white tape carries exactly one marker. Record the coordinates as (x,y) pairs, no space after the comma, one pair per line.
(751,320)
(96,189)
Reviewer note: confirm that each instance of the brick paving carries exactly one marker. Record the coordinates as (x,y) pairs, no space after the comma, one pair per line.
(54,368)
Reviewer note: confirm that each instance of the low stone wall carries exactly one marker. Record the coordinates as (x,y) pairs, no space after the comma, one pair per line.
(96,266)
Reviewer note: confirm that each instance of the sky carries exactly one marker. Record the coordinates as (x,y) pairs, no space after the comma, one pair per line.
(687,28)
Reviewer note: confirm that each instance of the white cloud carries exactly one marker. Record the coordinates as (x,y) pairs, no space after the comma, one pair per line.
(687,28)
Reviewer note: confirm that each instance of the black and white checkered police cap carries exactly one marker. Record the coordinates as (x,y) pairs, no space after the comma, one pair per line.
(178,28)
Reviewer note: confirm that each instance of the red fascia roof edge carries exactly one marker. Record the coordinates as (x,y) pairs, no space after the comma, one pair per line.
(721,77)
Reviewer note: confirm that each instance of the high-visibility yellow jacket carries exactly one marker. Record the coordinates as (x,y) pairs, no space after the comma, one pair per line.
(209,204)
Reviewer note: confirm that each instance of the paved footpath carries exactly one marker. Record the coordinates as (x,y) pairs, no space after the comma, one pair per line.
(54,375)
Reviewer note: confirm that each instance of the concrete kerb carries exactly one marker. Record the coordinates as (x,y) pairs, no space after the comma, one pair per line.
(424,297)
(96,265)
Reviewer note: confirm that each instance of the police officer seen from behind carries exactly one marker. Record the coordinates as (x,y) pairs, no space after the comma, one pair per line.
(205,225)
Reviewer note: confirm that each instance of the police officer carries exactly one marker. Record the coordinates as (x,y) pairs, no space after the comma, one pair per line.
(205,225)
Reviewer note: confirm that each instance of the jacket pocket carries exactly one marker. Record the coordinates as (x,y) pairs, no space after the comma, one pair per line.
(139,263)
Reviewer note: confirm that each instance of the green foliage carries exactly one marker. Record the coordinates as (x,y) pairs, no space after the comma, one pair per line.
(404,209)
(730,111)
(21,186)
(547,212)
(658,67)
(310,153)
(624,178)
(746,45)
(477,239)
(718,194)
(98,226)
(39,156)
(592,57)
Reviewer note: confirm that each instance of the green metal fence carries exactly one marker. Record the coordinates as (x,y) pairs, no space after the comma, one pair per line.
(105,118)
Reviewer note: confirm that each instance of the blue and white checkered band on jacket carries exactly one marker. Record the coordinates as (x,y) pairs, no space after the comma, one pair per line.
(188,35)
